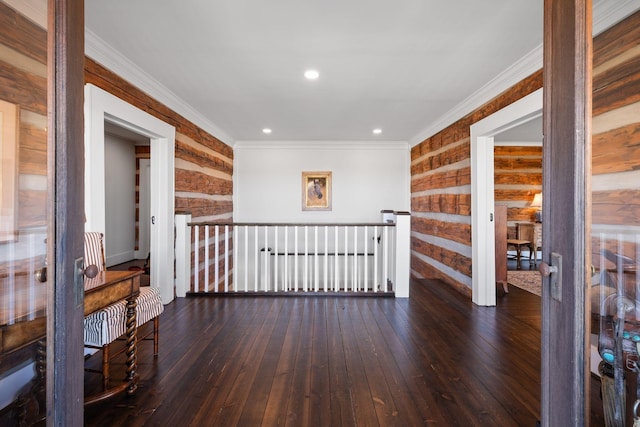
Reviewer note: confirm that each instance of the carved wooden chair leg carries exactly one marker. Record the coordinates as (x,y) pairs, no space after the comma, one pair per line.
(105,366)
(156,335)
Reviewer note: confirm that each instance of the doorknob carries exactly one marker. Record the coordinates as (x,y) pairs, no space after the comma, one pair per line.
(41,275)
(554,273)
(546,270)
(90,271)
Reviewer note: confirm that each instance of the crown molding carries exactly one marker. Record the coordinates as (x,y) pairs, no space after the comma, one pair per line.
(98,50)
(606,14)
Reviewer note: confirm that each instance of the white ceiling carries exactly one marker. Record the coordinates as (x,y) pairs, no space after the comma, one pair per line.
(236,67)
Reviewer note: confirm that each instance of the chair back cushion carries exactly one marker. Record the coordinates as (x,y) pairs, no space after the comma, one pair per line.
(94,250)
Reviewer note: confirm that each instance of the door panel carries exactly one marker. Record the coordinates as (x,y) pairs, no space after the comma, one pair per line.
(24,202)
(566,182)
(615,238)
(41,199)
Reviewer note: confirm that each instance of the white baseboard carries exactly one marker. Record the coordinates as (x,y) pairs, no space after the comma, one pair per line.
(115,259)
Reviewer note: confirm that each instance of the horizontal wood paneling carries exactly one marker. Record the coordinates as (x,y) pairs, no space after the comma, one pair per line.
(518,178)
(621,207)
(458,204)
(454,155)
(200,158)
(203,207)
(23,88)
(447,179)
(525,196)
(32,150)
(616,41)
(617,94)
(616,151)
(32,208)
(198,182)
(502,163)
(204,164)
(432,172)
(427,271)
(456,232)
(23,82)
(453,259)
(22,34)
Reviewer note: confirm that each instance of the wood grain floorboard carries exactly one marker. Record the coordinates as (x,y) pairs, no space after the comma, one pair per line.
(433,359)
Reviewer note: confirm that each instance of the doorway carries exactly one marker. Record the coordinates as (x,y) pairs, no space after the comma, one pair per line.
(482,191)
(101,107)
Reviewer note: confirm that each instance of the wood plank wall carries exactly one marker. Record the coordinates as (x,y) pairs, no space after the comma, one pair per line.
(517,178)
(441,195)
(440,179)
(203,164)
(616,139)
(23,81)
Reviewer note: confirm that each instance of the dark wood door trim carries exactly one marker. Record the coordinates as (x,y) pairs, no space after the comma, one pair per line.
(65,211)
(566,222)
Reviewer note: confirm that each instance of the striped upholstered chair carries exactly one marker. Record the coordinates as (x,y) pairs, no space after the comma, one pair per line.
(105,326)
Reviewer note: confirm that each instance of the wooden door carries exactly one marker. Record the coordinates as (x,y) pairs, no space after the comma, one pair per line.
(566,172)
(65,387)
(41,210)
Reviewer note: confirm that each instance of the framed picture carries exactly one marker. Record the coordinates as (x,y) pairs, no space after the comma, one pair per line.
(8,170)
(316,191)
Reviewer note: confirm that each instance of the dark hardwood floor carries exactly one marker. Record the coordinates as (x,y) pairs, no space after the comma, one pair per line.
(434,359)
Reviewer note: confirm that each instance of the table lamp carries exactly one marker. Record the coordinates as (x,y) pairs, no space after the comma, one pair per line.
(537,203)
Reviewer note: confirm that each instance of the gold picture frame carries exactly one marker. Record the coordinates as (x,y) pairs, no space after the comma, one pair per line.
(9,116)
(316,191)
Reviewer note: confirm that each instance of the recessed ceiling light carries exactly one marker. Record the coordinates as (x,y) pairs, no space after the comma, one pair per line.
(266,130)
(311,74)
(377,131)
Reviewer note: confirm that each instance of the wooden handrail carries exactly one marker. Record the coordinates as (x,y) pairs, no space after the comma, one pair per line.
(295,224)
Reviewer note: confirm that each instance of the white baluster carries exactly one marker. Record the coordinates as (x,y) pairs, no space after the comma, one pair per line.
(295,257)
(276,283)
(336,285)
(326,257)
(206,258)
(356,285)
(266,259)
(306,259)
(365,259)
(346,258)
(216,258)
(385,259)
(226,258)
(375,257)
(316,272)
(256,271)
(196,260)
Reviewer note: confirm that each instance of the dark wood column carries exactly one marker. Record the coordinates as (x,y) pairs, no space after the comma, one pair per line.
(566,221)
(65,212)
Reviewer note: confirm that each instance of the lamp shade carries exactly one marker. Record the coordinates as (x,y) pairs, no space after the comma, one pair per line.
(537,200)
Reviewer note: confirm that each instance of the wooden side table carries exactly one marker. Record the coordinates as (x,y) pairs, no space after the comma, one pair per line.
(518,244)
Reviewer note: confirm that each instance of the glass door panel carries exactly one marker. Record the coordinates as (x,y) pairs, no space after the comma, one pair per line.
(615,238)
(24,194)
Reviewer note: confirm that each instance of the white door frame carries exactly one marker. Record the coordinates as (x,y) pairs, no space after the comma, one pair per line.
(101,106)
(144,215)
(483,278)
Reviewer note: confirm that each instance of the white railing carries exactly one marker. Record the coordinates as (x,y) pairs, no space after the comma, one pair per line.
(284,258)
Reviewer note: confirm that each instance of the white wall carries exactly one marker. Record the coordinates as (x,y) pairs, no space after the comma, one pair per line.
(367,178)
(120,199)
